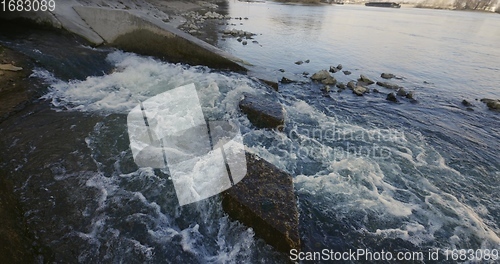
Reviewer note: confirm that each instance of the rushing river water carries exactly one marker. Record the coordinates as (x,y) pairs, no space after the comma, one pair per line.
(369,174)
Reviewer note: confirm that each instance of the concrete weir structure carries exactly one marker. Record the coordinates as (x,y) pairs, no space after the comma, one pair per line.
(133,31)
(265,200)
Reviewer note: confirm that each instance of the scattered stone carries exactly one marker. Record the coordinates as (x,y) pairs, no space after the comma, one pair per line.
(286,80)
(255,42)
(329,80)
(364,79)
(239,39)
(347,72)
(326,88)
(466,103)
(391,97)
(265,200)
(9,67)
(351,85)
(321,75)
(246,18)
(333,69)
(341,86)
(401,92)
(389,85)
(410,95)
(360,90)
(282,70)
(307,61)
(305,73)
(339,67)
(387,75)
(491,103)
(376,90)
(299,62)
(262,112)
(244,42)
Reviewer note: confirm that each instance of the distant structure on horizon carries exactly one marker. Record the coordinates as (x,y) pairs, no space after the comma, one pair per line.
(383,4)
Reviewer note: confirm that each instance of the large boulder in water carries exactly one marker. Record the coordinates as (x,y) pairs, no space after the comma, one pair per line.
(321,75)
(263,112)
(265,201)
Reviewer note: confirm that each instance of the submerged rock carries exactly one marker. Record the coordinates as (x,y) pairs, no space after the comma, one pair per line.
(466,103)
(326,88)
(329,80)
(401,92)
(286,80)
(360,90)
(265,201)
(391,97)
(410,95)
(347,72)
(333,69)
(262,112)
(491,103)
(351,85)
(389,85)
(387,75)
(364,79)
(299,62)
(339,67)
(341,86)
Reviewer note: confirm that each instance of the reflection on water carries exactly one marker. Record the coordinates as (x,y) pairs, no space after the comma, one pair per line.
(454,50)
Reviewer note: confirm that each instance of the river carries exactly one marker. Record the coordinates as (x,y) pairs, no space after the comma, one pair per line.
(413,176)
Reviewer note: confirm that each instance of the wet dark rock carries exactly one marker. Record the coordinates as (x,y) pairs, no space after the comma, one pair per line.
(299,62)
(333,69)
(263,112)
(265,201)
(364,79)
(491,103)
(347,72)
(389,85)
(329,81)
(401,92)
(360,90)
(305,73)
(339,67)
(376,90)
(321,75)
(307,61)
(466,103)
(341,85)
(387,75)
(410,95)
(351,85)
(286,80)
(391,97)
(282,70)
(244,42)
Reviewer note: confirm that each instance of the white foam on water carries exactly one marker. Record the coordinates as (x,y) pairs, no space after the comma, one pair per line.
(395,194)
(138,78)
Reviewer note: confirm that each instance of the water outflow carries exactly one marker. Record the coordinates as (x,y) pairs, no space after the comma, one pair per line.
(359,184)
